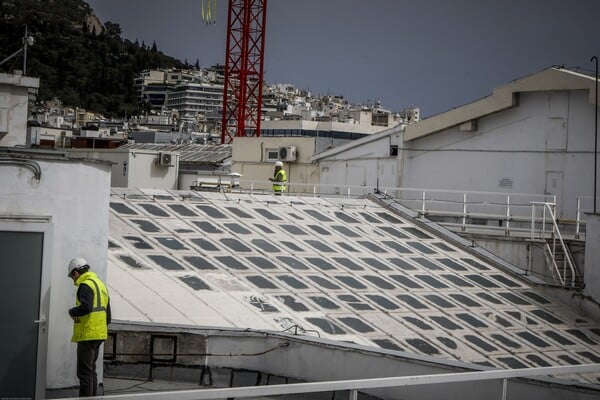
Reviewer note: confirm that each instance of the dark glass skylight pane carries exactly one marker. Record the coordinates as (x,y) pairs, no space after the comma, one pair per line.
(237,228)
(262,304)
(292,282)
(581,336)
(346,218)
(231,262)
(145,225)
(379,282)
(417,232)
(347,247)
(194,282)
(182,210)
(320,246)
(207,227)
(394,232)
(318,216)
(239,213)
(131,262)
(204,244)
(402,264)
(265,246)
(292,303)
(407,282)
(370,218)
(235,245)
(326,326)
(490,298)
(354,302)
(560,339)
(439,301)
(443,246)
(430,265)
(457,280)
(171,243)
(371,246)
(122,208)
(471,320)
(389,217)
(590,356)
(465,300)
(319,229)
(446,322)
(430,280)
(212,211)
(422,346)
(345,231)
(293,229)
(482,281)
(533,339)
(396,247)
(324,302)
(268,214)
(475,264)
(375,263)
(261,282)
(504,280)
(418,323)
(452,264)
(482,344)
(348,263)
(383,302)
(420,247)
(512,362)
(546,316)
(264,228)
(291,245)
(295,216)
(166,262)
(357,324)
(324,283)
(154,210)
(320,263)
(412,301)
(262,263)
(292,262)
(113,245)
(350,281)
(514,299)
(200,263)
(449,343)
(387,344)
(137,242)
(536,297)
(537,360)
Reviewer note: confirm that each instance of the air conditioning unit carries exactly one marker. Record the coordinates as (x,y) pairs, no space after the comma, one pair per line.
(287,153)
(165,159)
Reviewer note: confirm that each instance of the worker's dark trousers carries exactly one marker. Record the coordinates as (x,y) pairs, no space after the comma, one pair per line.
(87,354)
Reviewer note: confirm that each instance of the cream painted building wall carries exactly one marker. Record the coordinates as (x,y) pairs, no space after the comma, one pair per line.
(249,156)
(14,99)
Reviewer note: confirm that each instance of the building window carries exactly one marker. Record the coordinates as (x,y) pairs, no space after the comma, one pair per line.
(393,150)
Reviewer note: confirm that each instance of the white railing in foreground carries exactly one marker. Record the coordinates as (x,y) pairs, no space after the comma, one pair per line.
(355,385)
(512,209)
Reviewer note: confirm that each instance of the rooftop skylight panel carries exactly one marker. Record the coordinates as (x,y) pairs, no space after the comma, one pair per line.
(402,264)
(194,282)
(166,262)
(356,324)
(345,217)
(200,263)
(388,344)
(443,246)
(466,301)
(446,323)
(383,302)
(131,262)
(396,247)
(122,209)
(231,262)
(293,303)
(422,346)
(351,282)
(440,301)
(471,320)
(237,228)
(347,247)
(432,281)
(261,282)
(406,282)
(319,246)
(458,281)
(452,264)
(393,232)
(318,215)
(482,281)
(324,302)
(321,263)
(263,263)
(370,218)
(379,282)
(204,244)
(418,233)
(354,302)
(170,243)
(490,298)
(389,217)
(505,281)
(145,225)
(154,210)
(262,304)
(372,246)
(293,263)
(211,211)
(421,247)
(412,302)
(266,246)
(319,229)
(264,228)
(427,263)
(235,245)
(207,227)
(269,215)
(293,282)
(182,210)
(474,263)
(513,298)
(348,263)
(326,325)
(376,264)
(324,283)
(289,245)
(138,242)
(293,229)
(239,213)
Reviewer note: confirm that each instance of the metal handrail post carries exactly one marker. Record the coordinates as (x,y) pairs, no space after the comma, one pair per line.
(251,188)
(507,231)
(423,205)
(578,218)
(504,388)
(353,394)
(464,219)
(543,222)
(532,220)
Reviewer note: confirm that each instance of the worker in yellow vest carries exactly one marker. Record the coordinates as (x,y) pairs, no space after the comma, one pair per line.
(91,315)
(279,178)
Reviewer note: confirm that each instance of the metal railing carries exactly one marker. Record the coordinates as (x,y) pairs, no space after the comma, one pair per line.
(462,210)
(354,385)
(556,237)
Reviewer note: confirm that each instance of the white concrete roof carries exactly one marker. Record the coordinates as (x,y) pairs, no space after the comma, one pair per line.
(348,270)
(502,98)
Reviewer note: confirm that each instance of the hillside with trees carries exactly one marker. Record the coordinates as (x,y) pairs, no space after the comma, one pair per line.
(79,60)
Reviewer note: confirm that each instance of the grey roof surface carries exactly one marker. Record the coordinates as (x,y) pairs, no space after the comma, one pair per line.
(348,270)
(189,153)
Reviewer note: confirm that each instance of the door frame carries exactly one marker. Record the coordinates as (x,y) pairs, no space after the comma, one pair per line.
(37,224)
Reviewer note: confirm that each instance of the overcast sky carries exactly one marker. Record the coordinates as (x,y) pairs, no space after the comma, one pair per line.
(433,54)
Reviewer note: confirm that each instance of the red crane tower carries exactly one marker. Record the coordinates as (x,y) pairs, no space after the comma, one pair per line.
(244,67)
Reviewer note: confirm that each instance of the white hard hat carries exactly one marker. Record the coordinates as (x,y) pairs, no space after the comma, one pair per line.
(278,164)
(76,263)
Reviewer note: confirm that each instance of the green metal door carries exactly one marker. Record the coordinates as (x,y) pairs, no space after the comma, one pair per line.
(20,283)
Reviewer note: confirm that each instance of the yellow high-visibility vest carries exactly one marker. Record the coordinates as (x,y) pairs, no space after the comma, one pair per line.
(92,326)
(280,181)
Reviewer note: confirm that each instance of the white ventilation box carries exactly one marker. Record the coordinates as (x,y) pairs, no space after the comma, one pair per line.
(165,159)
(287,153)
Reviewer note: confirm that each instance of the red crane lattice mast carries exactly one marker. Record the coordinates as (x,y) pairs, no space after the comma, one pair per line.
(244,67)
